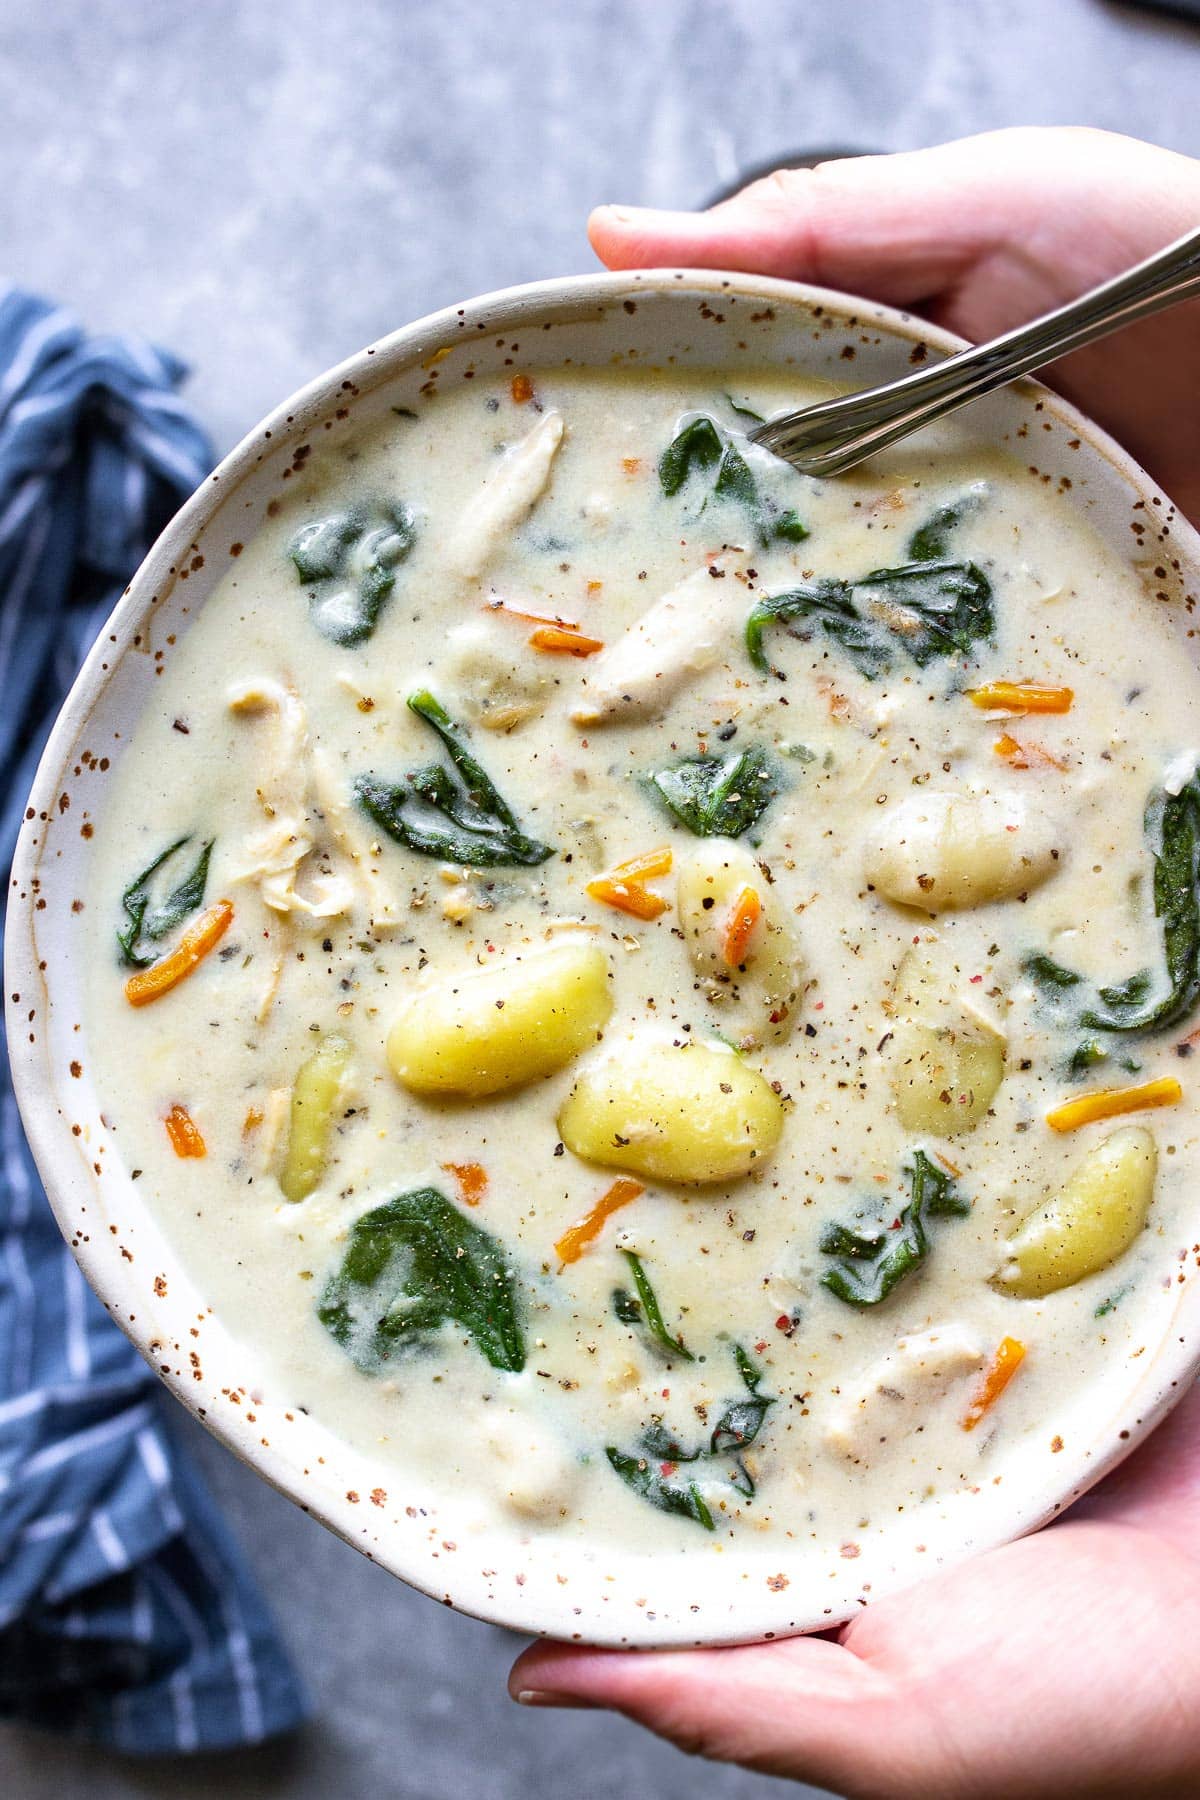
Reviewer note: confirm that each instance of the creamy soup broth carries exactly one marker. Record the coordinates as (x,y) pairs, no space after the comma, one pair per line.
(844,1263)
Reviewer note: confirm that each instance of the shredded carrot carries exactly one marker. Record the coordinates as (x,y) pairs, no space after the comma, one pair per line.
(631,464)
(1022,697)
(521,389)
(183,1132)
(472,1181)
(594,587)
(641,868)
(252,1121)
(567,642)
(1109,1103)
(575,1240)
(946,1164)
(1003,1366)
(628,897)
(195,944)
(744,915)
(1026,756)
(535,618)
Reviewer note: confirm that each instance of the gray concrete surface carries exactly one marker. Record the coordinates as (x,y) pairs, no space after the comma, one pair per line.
(267,187)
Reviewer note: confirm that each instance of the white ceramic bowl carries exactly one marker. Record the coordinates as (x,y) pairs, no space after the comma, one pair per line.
(549,1584)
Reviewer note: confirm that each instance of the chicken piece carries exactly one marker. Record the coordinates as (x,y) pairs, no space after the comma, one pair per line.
(901,1390)
(506,497)
(349,830)
(277,852)
(683,633)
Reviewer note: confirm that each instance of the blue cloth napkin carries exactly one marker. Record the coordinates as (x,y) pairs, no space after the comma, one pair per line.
(127,1615)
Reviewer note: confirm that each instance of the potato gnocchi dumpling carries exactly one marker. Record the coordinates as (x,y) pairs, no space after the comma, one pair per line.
(752,978)
(945,852)
(517,1019)
(944,1052)
(1093,1221)
(316,1097)
(677,1112)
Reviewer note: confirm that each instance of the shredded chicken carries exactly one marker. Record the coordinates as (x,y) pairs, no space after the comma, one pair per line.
(506,497)
(278,851)
(685,631)
(898,1393)
(349,832)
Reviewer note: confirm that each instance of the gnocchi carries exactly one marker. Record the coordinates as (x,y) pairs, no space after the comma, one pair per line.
(518,1018)
(1096,1218)
(759,996)
(676,1112)
(316,1096)
(944,852)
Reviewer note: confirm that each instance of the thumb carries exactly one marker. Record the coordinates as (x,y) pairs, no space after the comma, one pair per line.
(907,227)
(801,1707)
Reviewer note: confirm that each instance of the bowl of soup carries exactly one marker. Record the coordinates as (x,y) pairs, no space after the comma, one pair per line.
(615,1019)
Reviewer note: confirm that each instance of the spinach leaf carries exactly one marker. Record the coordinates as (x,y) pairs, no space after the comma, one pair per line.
(925,609)
(149,921)
(651,1484)
(930,541)
(697,446)
(1173,830)
(476,826)
(413,1265)
(348,561)
(1140,1004)
(1049,975)
(701,445)
(739,1425)
(646,1309)
(875,1261)
(743,411)
(718,796)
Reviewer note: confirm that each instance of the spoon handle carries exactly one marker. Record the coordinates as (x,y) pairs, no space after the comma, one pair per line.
(835,435)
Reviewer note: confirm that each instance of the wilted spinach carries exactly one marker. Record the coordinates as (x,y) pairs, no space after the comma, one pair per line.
(348,562)
(650,1471)
(476,826)
(927,607)
(644,1310)
(718,796)
(875,1259)
(150,920)
(1140,1004)
(702,445)
(413,1265)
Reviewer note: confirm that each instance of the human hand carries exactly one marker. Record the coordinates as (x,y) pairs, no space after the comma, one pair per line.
(978,236)
(1062,1667)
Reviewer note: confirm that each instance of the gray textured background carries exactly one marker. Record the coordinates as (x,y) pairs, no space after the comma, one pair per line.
(266,187)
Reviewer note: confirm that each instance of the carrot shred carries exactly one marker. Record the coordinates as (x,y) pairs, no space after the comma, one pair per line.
(631,464)
(565,642)
(641,868)
(471,1179)
(252,1120)
(1022,697)
(521,389)
(1009,1356)
(195,944)
(628,897)
(1110,1103)
(535,618)
(1026,756)
(576,1238)
(184,1133)
(744,915)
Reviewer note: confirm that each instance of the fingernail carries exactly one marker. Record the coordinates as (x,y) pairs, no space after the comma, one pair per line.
(622,215)
(543,1697)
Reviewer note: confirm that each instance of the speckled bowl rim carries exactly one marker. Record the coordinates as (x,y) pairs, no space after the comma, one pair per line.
(544,1586)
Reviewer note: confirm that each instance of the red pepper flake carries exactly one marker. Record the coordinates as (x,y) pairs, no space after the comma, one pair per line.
(850,1551)
(783,1322)
(975,980)
(667,1468)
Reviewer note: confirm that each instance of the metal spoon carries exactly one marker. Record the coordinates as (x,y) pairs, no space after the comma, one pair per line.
(835,435)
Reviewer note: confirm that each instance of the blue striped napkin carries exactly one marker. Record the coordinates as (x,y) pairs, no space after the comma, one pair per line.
(127,1615)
